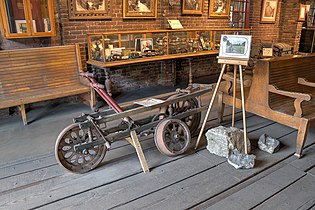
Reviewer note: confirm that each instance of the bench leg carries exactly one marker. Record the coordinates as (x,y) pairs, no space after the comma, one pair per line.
(301,137)
(23,113)
(221,107)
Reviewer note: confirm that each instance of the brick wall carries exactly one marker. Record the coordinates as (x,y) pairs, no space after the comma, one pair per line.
(286,29)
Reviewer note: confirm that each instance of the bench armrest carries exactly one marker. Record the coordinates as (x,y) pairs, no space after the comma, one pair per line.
(299,98)
(303,81)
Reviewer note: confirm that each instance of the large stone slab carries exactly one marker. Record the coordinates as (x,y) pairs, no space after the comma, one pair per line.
(221,140)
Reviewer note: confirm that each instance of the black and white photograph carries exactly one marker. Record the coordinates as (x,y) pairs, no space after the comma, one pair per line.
(134,9)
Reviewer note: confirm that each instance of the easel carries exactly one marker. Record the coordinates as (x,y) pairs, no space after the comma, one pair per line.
(239,63)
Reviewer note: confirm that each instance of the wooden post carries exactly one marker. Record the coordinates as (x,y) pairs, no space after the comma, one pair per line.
(210,105)
(23,113)
(137,146)
(243,109)
(234,96)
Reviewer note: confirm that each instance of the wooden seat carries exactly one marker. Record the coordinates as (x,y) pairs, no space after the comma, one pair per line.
(282,90)
(39,74)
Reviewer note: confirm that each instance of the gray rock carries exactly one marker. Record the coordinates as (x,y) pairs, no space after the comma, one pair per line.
(268,144)
(221,140)
(241,161)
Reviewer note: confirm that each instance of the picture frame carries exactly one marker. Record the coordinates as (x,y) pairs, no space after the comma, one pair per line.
(219,8)
(192,7)
(235,46)
(21,26)
(269,9)
(89,9)
(303,12)
(146,44)
(266,50)
(139,9)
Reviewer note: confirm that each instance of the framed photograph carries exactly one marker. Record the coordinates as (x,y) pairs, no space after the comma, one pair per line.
(269,11)
(219,8)
(266,50)
(303,12)
(89,9)
(192,7)
(146,44)
(21,26)
(235,46)
(135,9)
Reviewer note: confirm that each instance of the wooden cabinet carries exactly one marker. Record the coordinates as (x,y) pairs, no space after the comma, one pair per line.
(127,47)
(27,18)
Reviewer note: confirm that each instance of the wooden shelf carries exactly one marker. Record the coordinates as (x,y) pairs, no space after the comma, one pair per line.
(150,59)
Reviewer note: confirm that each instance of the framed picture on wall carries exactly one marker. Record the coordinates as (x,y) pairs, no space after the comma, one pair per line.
(139,9)
(219,8)
(269,11)
(192,7)
(303,12)
(89,9)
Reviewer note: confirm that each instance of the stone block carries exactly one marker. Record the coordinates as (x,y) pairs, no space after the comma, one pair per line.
(268,144)
(241,161)
(221,139)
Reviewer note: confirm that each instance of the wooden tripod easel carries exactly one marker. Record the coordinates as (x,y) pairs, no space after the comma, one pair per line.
(236,63)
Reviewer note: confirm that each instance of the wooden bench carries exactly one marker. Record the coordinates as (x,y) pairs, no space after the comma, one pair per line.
(38,74)
(282,89)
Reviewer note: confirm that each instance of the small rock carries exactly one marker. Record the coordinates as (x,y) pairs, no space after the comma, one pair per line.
(241,161)
(221,140)
(268,144)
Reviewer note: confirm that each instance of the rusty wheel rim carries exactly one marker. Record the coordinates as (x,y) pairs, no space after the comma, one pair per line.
(172,137)
(78,161)
(191,121)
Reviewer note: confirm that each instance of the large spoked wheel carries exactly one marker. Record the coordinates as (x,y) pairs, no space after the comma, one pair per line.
(73,158)
(172,137)
(192,121)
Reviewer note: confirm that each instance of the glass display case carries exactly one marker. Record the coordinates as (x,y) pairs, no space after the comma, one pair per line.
(27,18)
(127,47)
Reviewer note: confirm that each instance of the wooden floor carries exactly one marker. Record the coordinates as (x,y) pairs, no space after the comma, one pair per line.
(197,180)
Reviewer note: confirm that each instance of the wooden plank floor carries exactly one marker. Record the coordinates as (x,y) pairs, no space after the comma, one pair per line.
(196,180)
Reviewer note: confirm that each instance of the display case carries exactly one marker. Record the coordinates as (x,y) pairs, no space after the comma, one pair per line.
(127,47)
(27,18)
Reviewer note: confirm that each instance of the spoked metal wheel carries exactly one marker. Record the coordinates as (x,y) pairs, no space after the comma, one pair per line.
(71,155)
(191,121)
(172,137)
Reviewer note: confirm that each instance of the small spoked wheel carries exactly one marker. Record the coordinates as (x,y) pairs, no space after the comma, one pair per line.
(172,137)
(75,150)
(192,121)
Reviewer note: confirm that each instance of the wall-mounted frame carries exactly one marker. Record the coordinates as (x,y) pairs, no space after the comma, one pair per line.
(303,12)
(139,9)
(269,10)
(192,7)
(219,8)
(89,9)
(235,46)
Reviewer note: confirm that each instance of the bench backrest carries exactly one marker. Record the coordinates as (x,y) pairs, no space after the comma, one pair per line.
(284,73)
(38,69)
